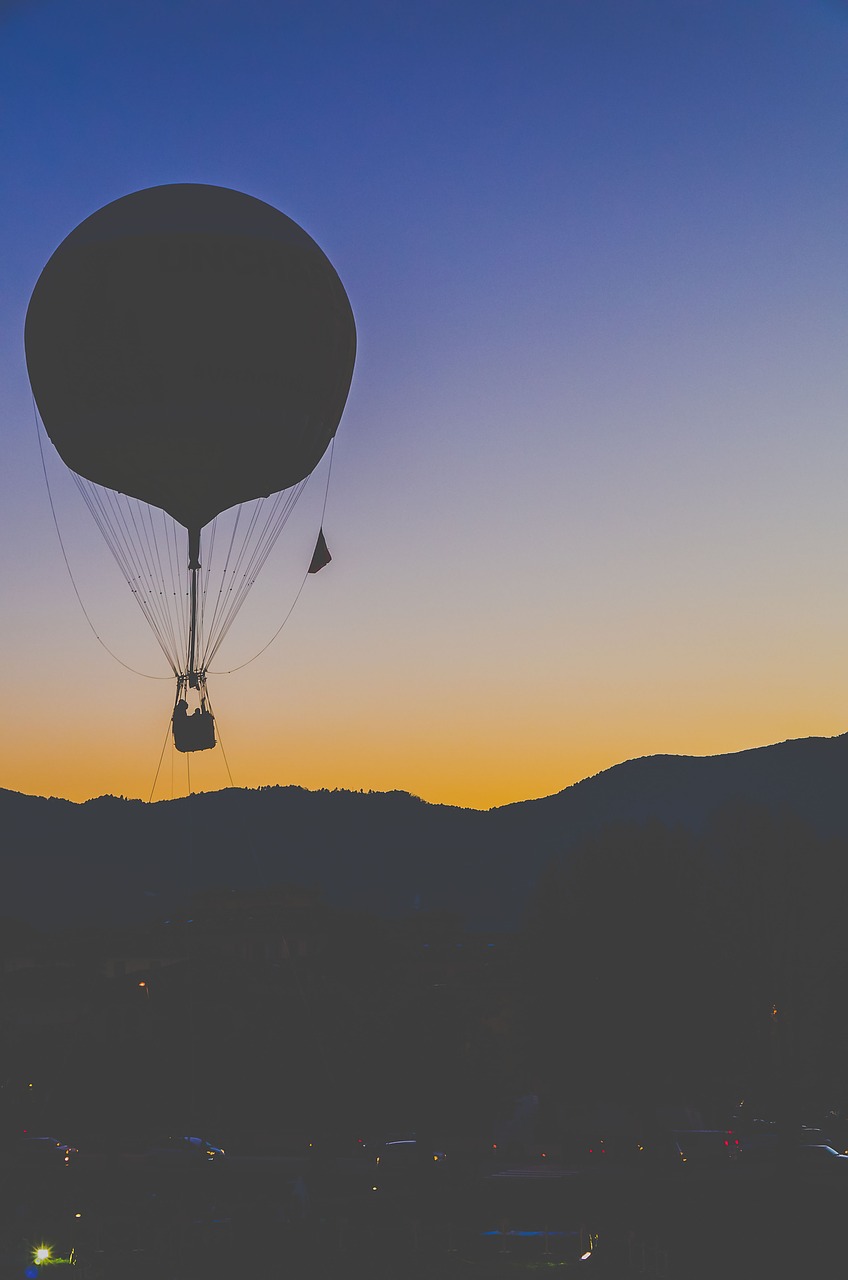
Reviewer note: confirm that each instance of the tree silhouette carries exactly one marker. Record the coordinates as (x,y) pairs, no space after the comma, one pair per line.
(627,991)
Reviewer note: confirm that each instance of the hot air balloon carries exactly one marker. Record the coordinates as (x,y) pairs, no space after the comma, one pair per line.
(190,348)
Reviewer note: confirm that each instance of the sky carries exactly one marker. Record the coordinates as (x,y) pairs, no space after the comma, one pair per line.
(588,495)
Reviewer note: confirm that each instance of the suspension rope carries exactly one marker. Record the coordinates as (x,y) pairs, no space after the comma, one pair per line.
(274,527)
(232,599)
(159,765)
(220,741)
(119,525)
(259,652)
(149,557)
(146,675)
(176,585)
(207,560)
(156,551)
(220,599)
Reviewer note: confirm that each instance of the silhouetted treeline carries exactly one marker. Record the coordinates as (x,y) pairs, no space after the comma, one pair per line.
(123,861)
(654,966)
(659,966)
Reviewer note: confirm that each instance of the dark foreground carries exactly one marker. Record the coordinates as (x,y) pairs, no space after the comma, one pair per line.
(246,1217)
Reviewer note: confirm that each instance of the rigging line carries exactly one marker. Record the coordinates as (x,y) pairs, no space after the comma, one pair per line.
(120,661)
(174,575)
(254,556)
(220,742)
(259,653)
(120,544)
(222,603)
(181,554)
(171,599)
(94,501)
(284,505)
(228,608)
(174,585)
(208,572)
(251,528)
(275,533)
(276,521)
(274,529)
(114,530)
(159,765)
(244,551)
(216,605)
(146,513)
(98,502)
(282,519)
(118,517)
(141,541)
(207,560)
(115,522)
(242,592)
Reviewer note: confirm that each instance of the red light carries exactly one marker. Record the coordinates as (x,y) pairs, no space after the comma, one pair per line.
(603,1151)
(726,1143)
(542,1154)
(494,1146)
(590,1151)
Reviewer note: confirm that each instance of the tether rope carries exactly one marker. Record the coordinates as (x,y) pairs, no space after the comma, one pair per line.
(281,508)
(159,765)
(129,553)
(98,638)
(242,665)
(220,741)
(132,533)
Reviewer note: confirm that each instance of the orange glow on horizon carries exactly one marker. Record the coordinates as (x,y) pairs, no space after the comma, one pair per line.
(473,769)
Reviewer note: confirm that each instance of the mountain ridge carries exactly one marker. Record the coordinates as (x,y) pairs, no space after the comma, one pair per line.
(113,858)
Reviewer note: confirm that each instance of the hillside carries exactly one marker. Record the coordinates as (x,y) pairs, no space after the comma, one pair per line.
(125,860)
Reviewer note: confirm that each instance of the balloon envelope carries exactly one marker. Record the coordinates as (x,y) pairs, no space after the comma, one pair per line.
(190,346)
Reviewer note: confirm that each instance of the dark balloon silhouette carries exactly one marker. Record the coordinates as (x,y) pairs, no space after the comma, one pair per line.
(191,347)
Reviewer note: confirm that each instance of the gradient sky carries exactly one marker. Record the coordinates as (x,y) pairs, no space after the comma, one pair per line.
(589,493)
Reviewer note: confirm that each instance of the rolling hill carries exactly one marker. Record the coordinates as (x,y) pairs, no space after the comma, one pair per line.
(122,860)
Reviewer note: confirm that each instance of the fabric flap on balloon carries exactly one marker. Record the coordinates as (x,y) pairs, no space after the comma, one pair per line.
(321,555)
